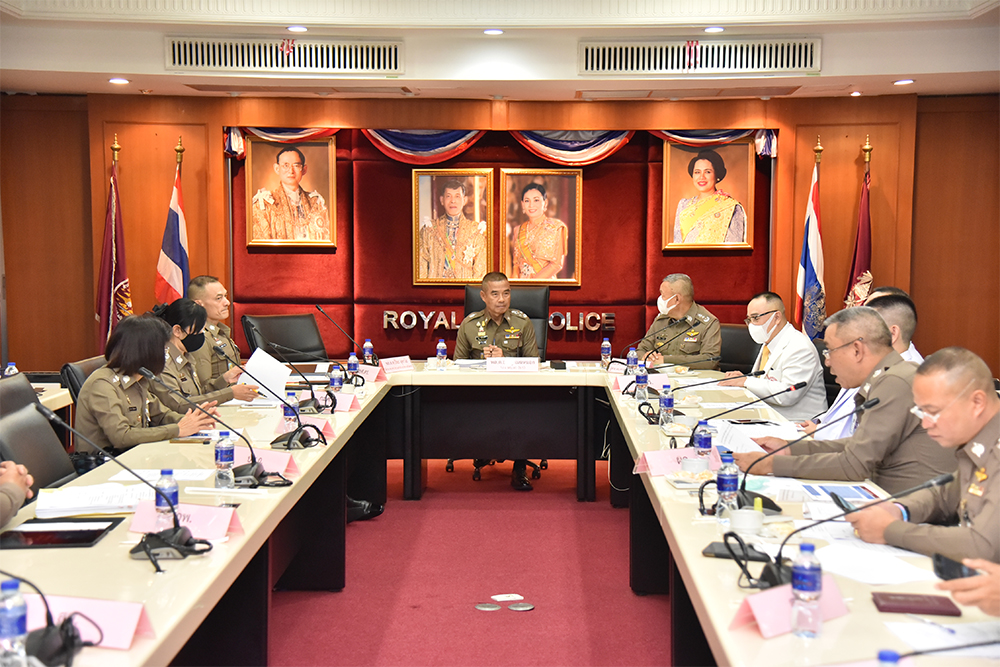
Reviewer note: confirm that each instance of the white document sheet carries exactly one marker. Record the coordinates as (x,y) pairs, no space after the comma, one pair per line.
(869,566)
(151,475)
(272,374)
(923,637)
(732,438)
(107,498)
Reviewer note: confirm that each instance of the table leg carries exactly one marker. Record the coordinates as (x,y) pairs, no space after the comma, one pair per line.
(586,467)
(649,554)
(688,645)
(413,463)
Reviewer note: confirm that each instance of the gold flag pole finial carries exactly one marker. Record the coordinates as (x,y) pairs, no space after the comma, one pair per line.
(180,150)
(818,150)
(115,149)
(867,149)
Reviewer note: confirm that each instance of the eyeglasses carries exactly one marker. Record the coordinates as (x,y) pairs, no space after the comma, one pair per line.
(753,318)
(933,417)
(290,166)
(827,352)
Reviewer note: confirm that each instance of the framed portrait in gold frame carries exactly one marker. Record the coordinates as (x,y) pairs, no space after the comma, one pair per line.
(708,196)
(291,193)
(452,226)
(542,239)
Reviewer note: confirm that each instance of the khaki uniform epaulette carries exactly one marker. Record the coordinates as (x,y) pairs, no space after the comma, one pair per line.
(472,316)
(703,317)
(518,313)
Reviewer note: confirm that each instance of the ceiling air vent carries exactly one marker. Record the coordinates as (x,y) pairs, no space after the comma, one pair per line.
(300,56)
(750,56)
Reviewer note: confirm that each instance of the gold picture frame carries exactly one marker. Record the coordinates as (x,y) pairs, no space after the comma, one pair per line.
(699,214)
(461,253)
(544,233)
(273,217)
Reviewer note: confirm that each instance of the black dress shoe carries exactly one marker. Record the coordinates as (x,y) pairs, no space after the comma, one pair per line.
(362,510)
(519,479)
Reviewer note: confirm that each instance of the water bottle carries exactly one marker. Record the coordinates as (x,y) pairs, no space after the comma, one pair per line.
(641,383)
(807,586)
(13,624)
(368,352)
(888,658)
(352,364)
(605,353)
(631,361)
(164,512)
(442,354)
(336,380)
(10,370)
(291,410)
(728,484)
(224,461)
(703,438)
(666,408)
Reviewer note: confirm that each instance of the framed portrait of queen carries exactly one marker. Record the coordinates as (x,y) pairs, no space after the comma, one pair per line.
(543,209)
(708,196)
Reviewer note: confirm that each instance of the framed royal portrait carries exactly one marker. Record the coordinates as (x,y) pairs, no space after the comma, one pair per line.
(291,193)
(708,196)
(452,226)
(542,239)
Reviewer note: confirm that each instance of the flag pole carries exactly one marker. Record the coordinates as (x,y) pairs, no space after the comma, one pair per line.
(115,149)
(818,150)
(179,149)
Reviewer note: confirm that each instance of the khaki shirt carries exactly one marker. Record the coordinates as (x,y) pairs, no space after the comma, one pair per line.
(119,412)
(11,499)
(703,339)
(515,335)
(889,446)
(972,499)
(180,375)
(207,364)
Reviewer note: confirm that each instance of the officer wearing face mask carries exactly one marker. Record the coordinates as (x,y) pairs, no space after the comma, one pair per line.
(187,323)
(695,331)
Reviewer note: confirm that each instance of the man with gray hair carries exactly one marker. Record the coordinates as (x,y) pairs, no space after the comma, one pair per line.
(889,445)
(664,342)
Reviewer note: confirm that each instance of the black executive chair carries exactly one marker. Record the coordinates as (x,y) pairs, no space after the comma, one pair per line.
(297,332)
(738,349)
(15,393)
(533,302)
(829,379)
(26,437)
(75,373)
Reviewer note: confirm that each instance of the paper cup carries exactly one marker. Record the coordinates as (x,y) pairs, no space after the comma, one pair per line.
(746,521)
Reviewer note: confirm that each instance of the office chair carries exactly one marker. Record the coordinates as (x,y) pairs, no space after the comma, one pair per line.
(75,373)
(15,393)
(298,332)
(738,349)
(533,302)
(26,437)
(829,379)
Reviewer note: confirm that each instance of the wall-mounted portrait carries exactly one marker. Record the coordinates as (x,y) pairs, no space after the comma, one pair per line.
(708,196)
(291,193)
(543,210)
(452,226)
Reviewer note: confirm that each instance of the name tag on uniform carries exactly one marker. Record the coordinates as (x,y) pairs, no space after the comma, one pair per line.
(132,408)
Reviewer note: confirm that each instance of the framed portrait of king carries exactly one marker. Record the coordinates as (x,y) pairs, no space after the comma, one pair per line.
(291,193)
(542,239)
(452,226)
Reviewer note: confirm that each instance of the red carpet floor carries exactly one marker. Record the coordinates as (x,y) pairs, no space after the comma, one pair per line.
(415,574)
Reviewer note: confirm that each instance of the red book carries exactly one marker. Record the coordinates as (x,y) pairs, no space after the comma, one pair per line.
(910,603)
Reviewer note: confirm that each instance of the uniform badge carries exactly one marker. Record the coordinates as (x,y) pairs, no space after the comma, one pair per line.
(976,490)
(981,475)
(867,388)
(877,373)
(481,334)
(512,334)
(978,449)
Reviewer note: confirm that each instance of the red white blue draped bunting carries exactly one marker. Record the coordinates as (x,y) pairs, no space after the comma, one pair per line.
(234,137)
(573,148)
(765,141)
(423,146)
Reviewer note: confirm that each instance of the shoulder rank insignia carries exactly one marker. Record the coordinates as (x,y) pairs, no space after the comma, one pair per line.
(978,449)
(515,311)
(472,316)
(704,318)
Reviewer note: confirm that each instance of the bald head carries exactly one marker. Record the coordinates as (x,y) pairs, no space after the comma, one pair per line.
(681,285)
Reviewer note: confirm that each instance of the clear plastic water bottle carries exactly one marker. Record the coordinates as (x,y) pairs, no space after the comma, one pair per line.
(368,352)
(442,354)
(631,361)
(164,512)
(336,380)
(703,438)
(10,370)
(13,624)
(291,410)
(605,353)
(728,484)
(807,586)
(666,408)
(352,364)
(641,383)
(888,658)
(224,447)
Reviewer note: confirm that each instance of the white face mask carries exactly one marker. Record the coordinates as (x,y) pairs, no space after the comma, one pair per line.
(759,332)
(666,305)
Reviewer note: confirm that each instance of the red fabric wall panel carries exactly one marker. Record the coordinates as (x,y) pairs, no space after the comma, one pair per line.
(337,344)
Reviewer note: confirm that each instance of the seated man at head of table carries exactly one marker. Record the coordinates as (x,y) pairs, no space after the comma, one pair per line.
(664,344)
(498,331)
(955,399)
(889,446)
(786,356)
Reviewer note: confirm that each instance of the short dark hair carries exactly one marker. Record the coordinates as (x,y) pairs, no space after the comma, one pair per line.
(289,149)
(493,277)
(199,283)
(899,310)
(889,289)
(771,299)
(534,186)
(718,164)
(139,341)
(960,366)
(453,184)
(185,313)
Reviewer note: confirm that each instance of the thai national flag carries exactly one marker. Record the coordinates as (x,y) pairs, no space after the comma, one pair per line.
(810,290)
(172,270)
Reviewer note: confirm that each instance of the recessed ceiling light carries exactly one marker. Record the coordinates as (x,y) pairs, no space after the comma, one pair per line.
(902,82)
(297,28)
(856,93)
(493,31)
(118,80)
(714,28)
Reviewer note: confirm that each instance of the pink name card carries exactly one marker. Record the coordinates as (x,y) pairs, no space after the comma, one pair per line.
(772,609)
(664,461)
(323,425)
(656,380)
(120,621)
(396,364)
(207,522)
(373,373)
(617,369)
(272,460)
(512,364)
(347,403)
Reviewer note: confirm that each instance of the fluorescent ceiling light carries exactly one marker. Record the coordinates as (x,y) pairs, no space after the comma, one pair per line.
(902,82)
(714,29)
(118,80)
(297,28)
(493,31)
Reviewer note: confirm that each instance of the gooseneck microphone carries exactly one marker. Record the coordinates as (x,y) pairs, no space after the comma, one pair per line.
(310,406)
(746,498)
(360,349)
(689,321)
(687,318)
(795,387)
(171,544)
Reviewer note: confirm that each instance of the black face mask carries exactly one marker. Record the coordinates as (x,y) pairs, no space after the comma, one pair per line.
(194,341)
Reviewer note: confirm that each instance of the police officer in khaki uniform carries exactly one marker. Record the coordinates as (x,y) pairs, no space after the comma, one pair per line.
(498,331)
(889,445)
(214,371)
(955,399)
(678,312)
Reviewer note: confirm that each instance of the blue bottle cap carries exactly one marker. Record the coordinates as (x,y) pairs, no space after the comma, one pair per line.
(10,584)
(167,471)
(887,655)
(224,434)
(727,458)
(606,340)
(703,422)
(368,340)
(631,349)
(807,547)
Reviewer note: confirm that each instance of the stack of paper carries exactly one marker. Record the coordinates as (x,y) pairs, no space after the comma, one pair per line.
(109,498)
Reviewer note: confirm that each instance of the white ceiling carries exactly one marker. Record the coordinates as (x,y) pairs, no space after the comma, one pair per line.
(75,46)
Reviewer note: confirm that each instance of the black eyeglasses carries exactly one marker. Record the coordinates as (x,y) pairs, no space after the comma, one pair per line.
(753,318)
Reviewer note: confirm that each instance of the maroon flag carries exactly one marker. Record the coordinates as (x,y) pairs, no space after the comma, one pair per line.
(860,281)
(114,297)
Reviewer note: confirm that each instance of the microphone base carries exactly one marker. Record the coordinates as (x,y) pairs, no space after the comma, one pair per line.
(746,498)
(163,545)
(248,474)
(775,575)
(297,439)
(309,407)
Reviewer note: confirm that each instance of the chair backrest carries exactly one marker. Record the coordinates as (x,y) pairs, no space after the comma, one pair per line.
(74,374)
(26,437)
(298,332)
(532,301)
(15,393)
(738,349)
(829,379)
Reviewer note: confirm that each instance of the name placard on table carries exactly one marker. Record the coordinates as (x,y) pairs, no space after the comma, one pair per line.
(396,364)
(512,364)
